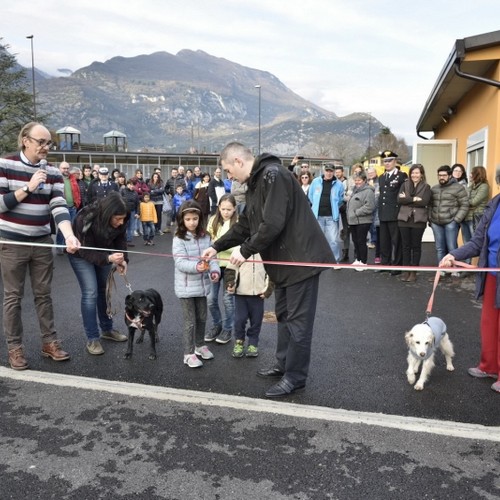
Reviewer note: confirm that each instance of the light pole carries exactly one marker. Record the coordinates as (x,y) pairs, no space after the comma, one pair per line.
(33,76)
(258,87)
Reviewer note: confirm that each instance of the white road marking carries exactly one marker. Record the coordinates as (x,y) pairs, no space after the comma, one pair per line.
(431,426)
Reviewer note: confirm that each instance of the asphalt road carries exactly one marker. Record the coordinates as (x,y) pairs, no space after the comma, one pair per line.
(359,430)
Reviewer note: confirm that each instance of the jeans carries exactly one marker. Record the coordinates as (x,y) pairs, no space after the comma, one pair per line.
(148,231)
(248,307)
(445,237)
(92,281)
(331,231)
(227,319)
(130,226)
(17,261)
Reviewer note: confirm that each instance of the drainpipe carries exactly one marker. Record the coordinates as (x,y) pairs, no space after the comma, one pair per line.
(474,78)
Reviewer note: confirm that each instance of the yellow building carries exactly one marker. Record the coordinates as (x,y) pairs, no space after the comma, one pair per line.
(462,113)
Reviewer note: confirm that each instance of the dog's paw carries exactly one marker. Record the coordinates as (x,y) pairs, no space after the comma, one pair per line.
(418,386)
(450,368)
(411,378)
(127,355)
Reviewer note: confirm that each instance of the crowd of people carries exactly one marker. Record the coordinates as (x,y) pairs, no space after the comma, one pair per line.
(221,227)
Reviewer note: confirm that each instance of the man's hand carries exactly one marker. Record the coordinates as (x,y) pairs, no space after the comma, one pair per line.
(72,244)
(236,257)
(208,253)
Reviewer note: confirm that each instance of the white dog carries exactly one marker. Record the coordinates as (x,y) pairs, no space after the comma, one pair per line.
(422,341)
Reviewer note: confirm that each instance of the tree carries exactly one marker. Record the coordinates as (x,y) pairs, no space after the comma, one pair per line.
(16,105)
(387,140)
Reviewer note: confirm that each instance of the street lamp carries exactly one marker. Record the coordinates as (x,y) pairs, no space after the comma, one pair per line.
(33,76)
(258,87)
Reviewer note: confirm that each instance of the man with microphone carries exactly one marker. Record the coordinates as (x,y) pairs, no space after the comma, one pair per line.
(31,191)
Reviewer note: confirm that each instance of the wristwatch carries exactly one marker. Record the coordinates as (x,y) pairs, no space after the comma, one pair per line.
(26,189)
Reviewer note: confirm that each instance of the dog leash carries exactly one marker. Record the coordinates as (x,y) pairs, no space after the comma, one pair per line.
(437,276)
(110,284)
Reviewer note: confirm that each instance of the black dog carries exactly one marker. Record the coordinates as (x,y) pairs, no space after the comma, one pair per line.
(143,310)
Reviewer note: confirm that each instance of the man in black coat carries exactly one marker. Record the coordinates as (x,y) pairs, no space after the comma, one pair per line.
(279,224)
(389,183)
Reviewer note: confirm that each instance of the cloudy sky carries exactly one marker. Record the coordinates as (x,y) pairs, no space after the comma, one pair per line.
(377,56)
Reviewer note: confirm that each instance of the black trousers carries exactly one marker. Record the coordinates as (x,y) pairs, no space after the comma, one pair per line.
(359,233)
(390,243)
(411,242)
(295,312)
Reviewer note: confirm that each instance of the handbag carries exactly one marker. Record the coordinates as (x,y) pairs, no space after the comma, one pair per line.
(167,207)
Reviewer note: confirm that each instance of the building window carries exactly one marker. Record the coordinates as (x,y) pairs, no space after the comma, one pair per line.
(476,148)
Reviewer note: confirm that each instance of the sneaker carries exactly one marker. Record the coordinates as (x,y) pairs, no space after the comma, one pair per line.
(213,333)
(239,347)
(371,245)
(455,275)
(224,337)
(361,268)
(252,351)
(53,350)
(496,386)
(356,262)
(136,233)
(377,260)
(477,373)
(159,233)
(94,347)
(17,360)
(192,361)
(204,352)
(114,335)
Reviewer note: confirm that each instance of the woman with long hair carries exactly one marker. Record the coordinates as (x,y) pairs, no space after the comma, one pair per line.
(157,190)
(100,225)
(413,199)
(479,194)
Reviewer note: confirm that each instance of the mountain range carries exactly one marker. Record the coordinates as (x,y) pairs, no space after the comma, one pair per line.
(190,101)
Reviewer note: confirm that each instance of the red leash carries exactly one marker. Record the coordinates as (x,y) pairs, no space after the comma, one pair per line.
(436,281)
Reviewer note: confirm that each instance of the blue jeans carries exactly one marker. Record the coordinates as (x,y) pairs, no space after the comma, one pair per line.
(331,231)
(227,319)
(92,281)
(131,224)
(148,231)
(445,237)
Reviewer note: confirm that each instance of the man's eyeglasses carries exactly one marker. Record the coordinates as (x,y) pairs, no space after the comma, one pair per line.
(43,143)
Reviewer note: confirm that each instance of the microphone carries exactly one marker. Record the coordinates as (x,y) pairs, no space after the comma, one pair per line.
(43,166)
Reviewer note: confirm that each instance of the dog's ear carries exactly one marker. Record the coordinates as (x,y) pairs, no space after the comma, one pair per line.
(408,337)
(127,300)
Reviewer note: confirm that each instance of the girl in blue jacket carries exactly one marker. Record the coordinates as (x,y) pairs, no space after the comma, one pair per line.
(193,278)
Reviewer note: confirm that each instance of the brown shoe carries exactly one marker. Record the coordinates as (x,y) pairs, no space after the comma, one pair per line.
(412,277)
(53,350)
(405,277)
(16,359)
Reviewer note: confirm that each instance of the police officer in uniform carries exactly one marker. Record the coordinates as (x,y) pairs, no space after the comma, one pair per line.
(389,183)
